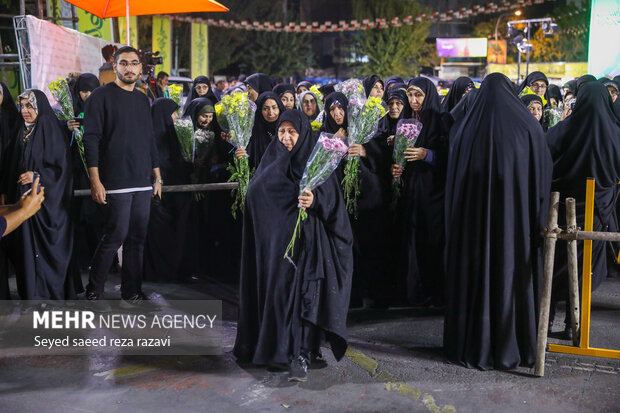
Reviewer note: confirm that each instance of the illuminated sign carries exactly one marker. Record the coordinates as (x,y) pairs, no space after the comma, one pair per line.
(463,47)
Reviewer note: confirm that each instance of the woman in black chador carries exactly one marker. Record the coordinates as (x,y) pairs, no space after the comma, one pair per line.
(201,88)
(47,238)
(420,211)
(335,118)
(165,246)
(584,145)
(460,88)
(373,230)
(268,110)
(9,123)
(497,194)
(288,308)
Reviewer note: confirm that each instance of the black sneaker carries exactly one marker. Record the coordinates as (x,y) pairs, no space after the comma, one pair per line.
(95,303)
(317,361)
(138,302)
(298,370)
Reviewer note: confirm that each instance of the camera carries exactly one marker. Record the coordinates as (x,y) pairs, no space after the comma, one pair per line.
(149,60)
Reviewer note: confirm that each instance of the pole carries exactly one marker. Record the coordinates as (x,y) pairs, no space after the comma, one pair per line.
(22,7)
(527,64)
(518,66)
(127,37)
(573,270)
(545,300)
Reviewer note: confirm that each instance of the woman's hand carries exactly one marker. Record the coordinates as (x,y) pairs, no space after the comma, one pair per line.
(240,153)
(225,136)
(306,199)
(357,150)
(25,178)
(415,154)
(397,171)
(73,125)
(390,140)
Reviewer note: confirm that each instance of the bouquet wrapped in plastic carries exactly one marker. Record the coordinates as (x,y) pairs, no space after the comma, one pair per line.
(203,141)
(551,116)
(184,128)
(323,161)
(352,89)
(407,132)
(363,115)
(60,91)
(237,114)
(175,92)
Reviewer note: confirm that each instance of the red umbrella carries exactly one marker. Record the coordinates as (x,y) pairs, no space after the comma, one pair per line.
(119,8)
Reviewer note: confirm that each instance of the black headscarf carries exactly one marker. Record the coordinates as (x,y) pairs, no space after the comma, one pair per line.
(327,90)
(173,168)
(393,79)
(370,82)
(387,125)
(277,299)
(499,175)
(430,112)
(456,92)
(329,124)
(608,82)
(305,83)
(554,92)
(194,95)
(571,85)
(283,88)
(263,132)
(195,108)
(260,82)
(531,78)
(587,144)
(582,81)
(529,98)
(86,82)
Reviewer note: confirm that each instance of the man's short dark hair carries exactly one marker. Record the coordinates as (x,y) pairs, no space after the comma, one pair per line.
(162,75)
(125,49)
(108,51)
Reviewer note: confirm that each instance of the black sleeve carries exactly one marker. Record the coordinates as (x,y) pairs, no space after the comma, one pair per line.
(93,129)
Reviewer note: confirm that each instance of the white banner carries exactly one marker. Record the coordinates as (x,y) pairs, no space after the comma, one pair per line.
(56,51)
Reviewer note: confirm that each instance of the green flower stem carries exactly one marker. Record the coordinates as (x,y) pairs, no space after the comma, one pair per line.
(351,185)
(240,172)
(301,216)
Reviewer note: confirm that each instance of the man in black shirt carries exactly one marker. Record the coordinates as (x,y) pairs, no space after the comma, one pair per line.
(121,156)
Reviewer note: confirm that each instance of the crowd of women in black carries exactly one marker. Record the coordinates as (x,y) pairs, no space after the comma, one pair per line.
(464,235)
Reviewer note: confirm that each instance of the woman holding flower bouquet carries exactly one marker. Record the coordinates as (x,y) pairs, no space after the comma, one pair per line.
(269,107)
(46,238)
(289,307)
(420,210)
(213,230)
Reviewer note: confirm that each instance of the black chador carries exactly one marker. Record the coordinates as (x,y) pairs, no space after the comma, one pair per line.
(584,145)
(166,240)
(497,191)
(288,309)
(420,211)
(47,237)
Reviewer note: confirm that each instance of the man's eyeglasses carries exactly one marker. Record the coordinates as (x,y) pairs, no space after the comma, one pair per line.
(125,63)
